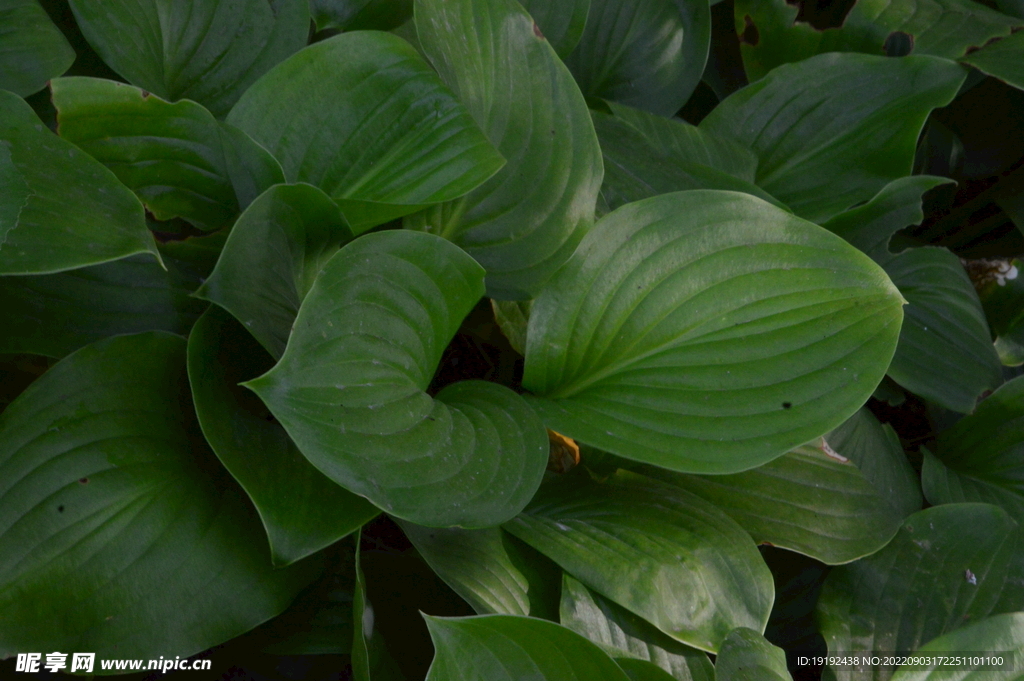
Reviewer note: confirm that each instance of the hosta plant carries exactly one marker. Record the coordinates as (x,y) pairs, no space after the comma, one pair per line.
(588,339)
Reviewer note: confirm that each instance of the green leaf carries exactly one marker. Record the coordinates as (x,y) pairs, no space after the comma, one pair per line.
(708,332)
(748,656)
(177,158)
(1015,8)
(350,388)
(981,458)
(370,658)
(637,167)
(948,566)
(119,532)
(945,353)
(642,670)
(492,571)
(396,140)
(688,143)
(999,635)
(525,222)
(510,648)
(561,22)
(645,53)
(272,255)
(832,130)
(56,314)
(875,449)
(660,552)
(59,208)
(207,51)
(813,500)
(627,636)
(513,317)
(32,49)
(352,15)
(301,509)
(1003,59)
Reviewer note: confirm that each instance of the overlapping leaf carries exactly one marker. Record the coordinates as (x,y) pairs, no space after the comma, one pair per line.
(526,221)
(510,648)
(747,656)
(364,118)
(999,636)
(354,15)
(349,388)
(274,252)
(662,553)
(708,332)
(178,159)
(492,571)
(645,53)
(32,49)
(1003,59)
(119,533)
(981,458)
(301,509)
(208,51)
(625,635)
(947,567)
(561,22)
(832,130)
(59,208)
(370,658)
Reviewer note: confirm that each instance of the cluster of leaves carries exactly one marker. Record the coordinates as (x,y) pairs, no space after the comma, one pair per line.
(235,255)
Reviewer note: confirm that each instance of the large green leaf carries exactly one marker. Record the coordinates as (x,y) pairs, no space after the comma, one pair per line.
(510,648)
(55,314)
(561,22)
(1003,59)
(526,221)
(945,352)
(59,208)
(349,388)
(119,532)
(645,53)
(625,635)
(747,656)
(981,458)
(301,509)
(636,167)
(813,500)
(662,553)
(178,159)
(32,49)
(274,252)
(364,118)
(494,572)
(209,51)
(708,332)
(948,566)
(996,636)
(832,130)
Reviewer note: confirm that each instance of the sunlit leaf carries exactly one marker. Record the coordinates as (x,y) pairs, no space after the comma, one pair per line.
(747,656)
(998,636)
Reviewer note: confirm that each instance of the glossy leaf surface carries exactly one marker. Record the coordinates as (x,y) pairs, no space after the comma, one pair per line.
(561,22)
(177,158)
(301,509)
(59,208)
(626,635)
(832,130)
(510,648)
(119,533)
(219,48)
(272,256)
(395,141)
(981,458)
(662,553)
(996,636)
(32,49)
(948,566)
(525,222)
(748,656)
(645,53)
(494,572)
(349,388)
(708,332)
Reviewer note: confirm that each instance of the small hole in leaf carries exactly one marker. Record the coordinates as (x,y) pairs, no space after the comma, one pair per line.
(898,44)
(787,405)
(60,509)
(750,36)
